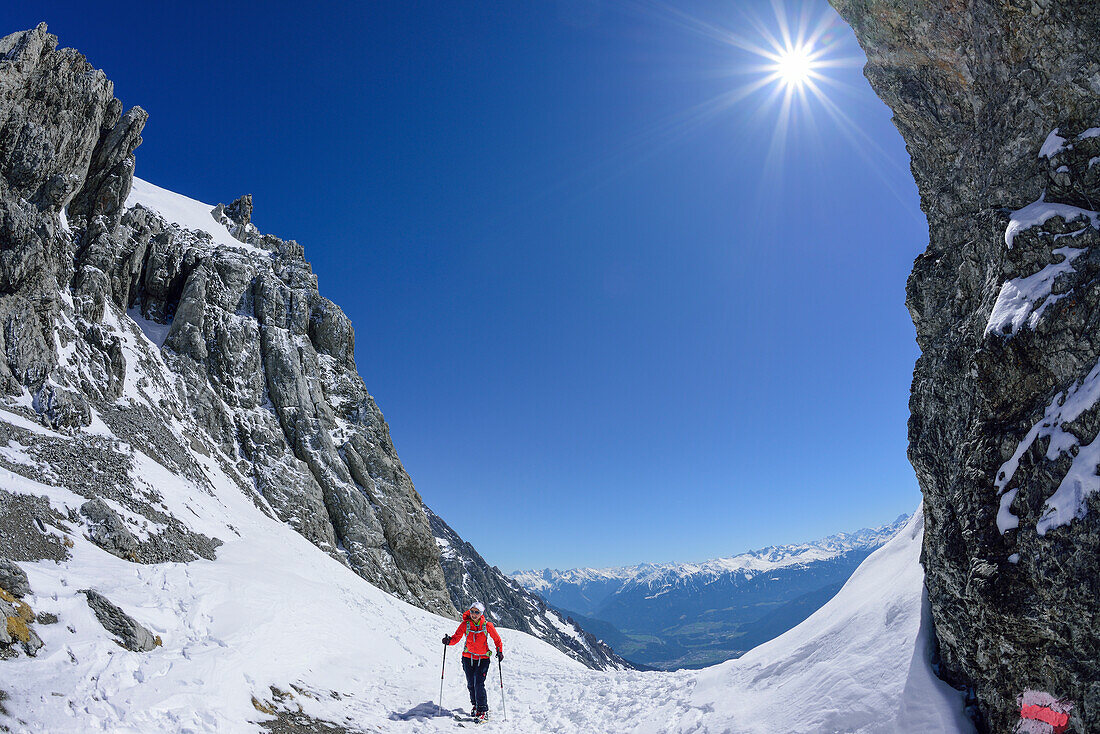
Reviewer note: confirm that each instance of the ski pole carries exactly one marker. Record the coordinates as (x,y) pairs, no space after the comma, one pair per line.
(439,706)
(503,708)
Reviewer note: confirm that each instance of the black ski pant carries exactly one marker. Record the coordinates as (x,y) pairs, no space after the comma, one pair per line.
(476,669)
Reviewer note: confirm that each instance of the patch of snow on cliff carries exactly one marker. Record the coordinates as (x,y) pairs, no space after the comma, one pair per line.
(445,549)
(1067,502)
(1037,213)
(185,212)
(566,629)
(1053,145)
(154,332)
(25,423)
(1016,303)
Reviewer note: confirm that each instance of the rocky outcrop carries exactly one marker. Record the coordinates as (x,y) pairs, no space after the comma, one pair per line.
(260,371)
(131,634)
(16,632)
(13,579)
(107,530)
(507,604)
(999,105)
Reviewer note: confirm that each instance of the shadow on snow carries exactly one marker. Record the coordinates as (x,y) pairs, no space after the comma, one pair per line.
(426,710)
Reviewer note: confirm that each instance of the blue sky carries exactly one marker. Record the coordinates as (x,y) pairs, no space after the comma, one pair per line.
(608,318)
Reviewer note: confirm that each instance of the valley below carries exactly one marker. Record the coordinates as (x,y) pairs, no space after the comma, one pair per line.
(691,615)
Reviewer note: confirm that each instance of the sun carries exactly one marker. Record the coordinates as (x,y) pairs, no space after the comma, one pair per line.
(787,74)
(792,75)
(794,66)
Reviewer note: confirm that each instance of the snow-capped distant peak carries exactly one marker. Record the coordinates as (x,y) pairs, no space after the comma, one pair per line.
(750,563)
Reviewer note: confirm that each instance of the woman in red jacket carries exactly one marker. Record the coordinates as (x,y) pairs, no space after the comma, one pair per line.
(476,629)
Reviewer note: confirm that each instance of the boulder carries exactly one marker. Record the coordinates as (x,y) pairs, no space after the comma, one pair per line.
(107,530)
(131,635)
(13,579)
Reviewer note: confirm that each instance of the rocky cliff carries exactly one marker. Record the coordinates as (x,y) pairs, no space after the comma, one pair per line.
(148,341)
(999,105)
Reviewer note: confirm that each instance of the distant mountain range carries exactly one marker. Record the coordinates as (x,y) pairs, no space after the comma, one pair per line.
(671,615)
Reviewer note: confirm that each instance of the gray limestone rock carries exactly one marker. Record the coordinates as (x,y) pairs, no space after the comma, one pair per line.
(15,620)
(130,634)
(111,169)
(237,218)
(998,102)
(6,610)
(240,211)
(13,579)
(107,530)
(33,643)
(258,362)
(62,408)
(55,105)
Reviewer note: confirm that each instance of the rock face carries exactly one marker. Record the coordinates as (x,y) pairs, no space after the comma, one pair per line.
(131,635)
(507,604)
(257,360)
(16,618)
(13,579)
(999,104)
(145,344)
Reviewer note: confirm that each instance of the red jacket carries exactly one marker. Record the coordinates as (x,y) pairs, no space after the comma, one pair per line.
(477,645)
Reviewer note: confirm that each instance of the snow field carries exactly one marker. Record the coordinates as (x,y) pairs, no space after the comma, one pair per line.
(861,663)
(272,610)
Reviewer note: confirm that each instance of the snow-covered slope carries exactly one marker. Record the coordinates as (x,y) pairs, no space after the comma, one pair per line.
(274,623)
(861,663)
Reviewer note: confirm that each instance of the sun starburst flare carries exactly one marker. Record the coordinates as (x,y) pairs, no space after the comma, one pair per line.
(796,65)
(790,72)
(792,60)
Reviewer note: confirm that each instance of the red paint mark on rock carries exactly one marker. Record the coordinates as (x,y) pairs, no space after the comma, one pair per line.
(1042,713)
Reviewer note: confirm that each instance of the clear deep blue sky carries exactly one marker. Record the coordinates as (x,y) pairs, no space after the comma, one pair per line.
(607,321)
